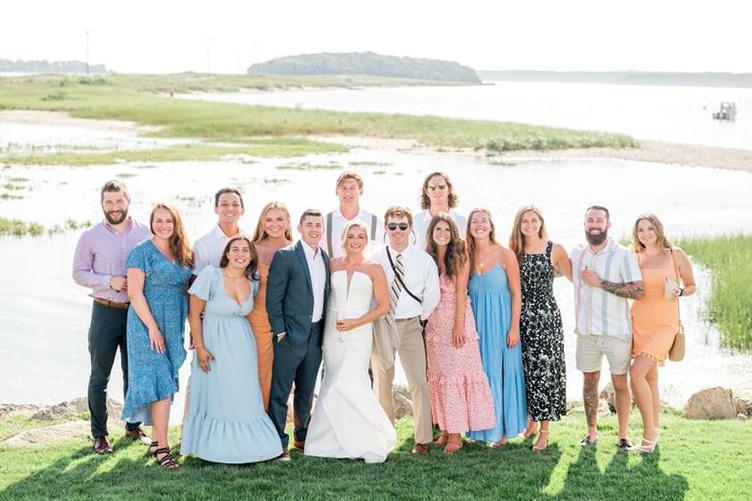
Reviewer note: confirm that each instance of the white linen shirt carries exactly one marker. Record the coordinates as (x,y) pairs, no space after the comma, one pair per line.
(598,312)
(207,250)
(421,277)
(317,271)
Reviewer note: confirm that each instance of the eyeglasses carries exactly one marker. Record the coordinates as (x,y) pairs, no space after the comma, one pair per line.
(401,226)
(434,187)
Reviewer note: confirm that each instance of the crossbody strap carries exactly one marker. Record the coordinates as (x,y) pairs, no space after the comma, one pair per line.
(678,281)
(397,277)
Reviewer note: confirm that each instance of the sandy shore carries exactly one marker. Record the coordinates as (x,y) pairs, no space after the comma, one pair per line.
(648,151)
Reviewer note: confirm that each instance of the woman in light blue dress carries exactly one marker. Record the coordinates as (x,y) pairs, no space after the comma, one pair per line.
(158,273)
(494,290)
(226,422)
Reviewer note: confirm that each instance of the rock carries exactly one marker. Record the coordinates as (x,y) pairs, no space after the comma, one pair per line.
(609,395)
(46,434)
(403,403)
(741,417)
(13,409)
(75,409)
(711,403)
(743,406)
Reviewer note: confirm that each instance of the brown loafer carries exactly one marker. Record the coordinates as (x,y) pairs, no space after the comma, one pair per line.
(299,444)
(138,434)
(420,449)
(102,445)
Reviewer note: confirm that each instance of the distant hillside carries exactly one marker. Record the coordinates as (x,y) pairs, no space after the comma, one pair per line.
(367,63)
(624,78)
(7,66)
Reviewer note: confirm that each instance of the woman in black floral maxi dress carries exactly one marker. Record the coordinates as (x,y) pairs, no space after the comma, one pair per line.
(541,329)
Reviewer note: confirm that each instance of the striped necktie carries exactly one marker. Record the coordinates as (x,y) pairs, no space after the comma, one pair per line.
(396,289)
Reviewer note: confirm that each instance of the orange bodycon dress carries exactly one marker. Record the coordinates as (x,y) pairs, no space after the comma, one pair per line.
(655,319)
(262,331)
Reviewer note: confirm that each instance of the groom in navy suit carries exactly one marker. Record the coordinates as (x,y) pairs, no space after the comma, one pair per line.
(296,296)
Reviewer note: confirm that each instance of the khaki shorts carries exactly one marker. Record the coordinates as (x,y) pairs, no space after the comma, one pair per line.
(591,349)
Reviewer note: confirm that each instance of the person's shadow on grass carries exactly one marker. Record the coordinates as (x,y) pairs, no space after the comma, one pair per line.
(642,481)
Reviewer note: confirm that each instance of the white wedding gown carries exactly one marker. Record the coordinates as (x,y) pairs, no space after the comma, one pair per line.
(348,421)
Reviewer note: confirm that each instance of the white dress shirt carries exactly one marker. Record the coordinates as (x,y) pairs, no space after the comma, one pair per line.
(338,225)
(421,277)
(207,250)
(317,271)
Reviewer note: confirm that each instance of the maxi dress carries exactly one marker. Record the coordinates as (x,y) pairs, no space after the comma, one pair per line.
(153,376)
(226,421)
(460,395)
(262,330)
(348,421)
(655,319)
(492,306)
(542,337)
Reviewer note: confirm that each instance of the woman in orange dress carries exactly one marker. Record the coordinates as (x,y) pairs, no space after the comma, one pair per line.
(655,319)
(273,232)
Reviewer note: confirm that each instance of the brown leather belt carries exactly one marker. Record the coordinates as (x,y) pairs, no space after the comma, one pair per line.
(112,304)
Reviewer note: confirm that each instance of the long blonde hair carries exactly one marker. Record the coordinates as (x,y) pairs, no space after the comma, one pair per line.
(516,238)
(179,244)
(260,232)
(663,240)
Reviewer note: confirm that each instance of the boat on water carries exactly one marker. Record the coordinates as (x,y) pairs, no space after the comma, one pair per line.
(727,111)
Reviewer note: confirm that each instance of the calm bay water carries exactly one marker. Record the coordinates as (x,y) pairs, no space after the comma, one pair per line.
(45,315)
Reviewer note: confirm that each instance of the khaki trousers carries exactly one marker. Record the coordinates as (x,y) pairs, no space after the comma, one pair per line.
(412,354)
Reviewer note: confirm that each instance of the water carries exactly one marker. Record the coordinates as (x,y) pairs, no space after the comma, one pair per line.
(46,316)
(673,114)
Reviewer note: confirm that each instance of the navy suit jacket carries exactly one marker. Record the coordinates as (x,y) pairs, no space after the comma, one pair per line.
(289,293)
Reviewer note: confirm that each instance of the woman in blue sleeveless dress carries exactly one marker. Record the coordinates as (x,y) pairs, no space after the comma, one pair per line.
(494,290)
(226,421)
(158,273)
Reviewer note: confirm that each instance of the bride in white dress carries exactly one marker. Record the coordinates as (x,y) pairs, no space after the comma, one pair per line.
(348,421)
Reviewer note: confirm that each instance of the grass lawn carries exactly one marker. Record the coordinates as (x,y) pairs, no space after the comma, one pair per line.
(696,460)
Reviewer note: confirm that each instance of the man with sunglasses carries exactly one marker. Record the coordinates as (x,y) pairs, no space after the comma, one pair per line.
(413,281)
(349,189)
(437,195)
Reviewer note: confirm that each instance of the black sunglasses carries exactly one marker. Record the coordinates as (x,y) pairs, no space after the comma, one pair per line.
(394,226)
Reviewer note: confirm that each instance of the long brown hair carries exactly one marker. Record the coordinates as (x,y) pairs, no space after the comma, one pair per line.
(250,270)
(178,242)
(455,256)
(425,201)
(663,240)
(470,239)
(260,233)
(517,239)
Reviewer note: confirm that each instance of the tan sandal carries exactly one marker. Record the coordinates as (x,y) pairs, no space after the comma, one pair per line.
(538,448)
(442,440)
(454,443)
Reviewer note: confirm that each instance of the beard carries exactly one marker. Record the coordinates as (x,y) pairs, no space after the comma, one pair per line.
(596,238)
(116,220)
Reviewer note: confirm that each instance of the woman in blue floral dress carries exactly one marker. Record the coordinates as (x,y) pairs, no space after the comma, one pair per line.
(158,273)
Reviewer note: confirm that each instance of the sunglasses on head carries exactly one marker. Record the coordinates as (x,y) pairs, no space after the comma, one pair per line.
(394,226)
(439,186)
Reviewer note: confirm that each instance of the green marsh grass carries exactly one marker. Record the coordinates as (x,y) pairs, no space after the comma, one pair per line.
(17,228)
(696,460)
(729,259)
(141,99)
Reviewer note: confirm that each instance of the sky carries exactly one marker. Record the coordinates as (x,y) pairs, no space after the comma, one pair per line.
(226,36)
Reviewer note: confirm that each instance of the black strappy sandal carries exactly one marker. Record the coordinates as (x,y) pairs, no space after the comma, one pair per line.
(167,460)
(153,446)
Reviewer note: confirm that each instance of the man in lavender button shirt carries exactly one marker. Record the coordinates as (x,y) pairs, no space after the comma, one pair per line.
(99,264)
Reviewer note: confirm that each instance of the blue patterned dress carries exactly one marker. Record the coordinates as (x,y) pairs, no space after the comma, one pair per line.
(492,306)
(153,376)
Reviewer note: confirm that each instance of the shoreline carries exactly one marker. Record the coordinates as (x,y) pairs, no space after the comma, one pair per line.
(647,151)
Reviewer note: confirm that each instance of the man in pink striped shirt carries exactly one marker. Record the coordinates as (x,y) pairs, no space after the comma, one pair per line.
(99,264)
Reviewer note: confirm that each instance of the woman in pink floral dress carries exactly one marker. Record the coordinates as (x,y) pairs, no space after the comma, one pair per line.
(461,398)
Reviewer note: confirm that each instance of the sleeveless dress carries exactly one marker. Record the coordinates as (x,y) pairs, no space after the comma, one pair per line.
(492,307)
(262,330)
(153,376)
(460,395)
(348,421)
(655,320)
(226,421)
(542,337)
